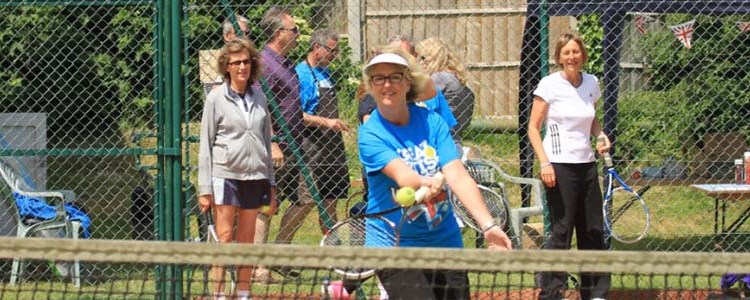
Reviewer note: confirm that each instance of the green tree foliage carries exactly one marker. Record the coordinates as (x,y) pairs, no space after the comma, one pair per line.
(703,89)
(90,67)
(76,64)
(592,33)
(203,31)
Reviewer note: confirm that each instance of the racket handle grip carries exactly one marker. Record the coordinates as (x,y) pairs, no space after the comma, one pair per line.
(608,160)
(209,216)
(422,191)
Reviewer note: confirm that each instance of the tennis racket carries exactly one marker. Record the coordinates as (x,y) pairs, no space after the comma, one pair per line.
(493,193)
(212,237)
(353,232)
(626,216)
(496,204)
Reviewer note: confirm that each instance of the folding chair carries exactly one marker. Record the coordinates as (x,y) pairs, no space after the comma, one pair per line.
(27,226)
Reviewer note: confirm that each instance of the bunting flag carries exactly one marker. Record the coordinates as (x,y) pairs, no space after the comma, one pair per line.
(641,21)
(684,32)
(744,26)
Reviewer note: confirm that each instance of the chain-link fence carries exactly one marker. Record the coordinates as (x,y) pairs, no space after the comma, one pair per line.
(81,84)
(78,85)
(672,75)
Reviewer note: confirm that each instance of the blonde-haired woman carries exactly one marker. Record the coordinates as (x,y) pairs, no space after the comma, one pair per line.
(403,144)
(449,75)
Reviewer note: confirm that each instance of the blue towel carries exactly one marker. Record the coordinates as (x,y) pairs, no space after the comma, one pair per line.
(39,209)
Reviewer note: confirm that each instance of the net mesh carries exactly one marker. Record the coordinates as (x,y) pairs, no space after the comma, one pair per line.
(84,106)
(492,275)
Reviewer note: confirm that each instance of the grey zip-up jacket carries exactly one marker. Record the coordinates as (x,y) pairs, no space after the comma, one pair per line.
(229,147)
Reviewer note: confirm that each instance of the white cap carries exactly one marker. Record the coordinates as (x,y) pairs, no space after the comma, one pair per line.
(387,58)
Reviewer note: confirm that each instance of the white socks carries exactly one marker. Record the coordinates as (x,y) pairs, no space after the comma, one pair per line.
(243,295)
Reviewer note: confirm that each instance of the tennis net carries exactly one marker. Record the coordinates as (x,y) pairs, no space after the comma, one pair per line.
(178,270)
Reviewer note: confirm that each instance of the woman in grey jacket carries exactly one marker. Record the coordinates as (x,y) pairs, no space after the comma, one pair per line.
(235,171)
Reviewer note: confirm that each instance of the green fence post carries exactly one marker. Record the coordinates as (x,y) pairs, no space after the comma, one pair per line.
(287,136)
(173,154)
(159,190)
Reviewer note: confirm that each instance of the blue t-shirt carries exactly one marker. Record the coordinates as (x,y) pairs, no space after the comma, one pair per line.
(308,85)
(426,145)
(440,105)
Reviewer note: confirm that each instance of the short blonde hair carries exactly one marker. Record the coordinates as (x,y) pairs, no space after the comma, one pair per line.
(413,73)
(563,40)
(437,57)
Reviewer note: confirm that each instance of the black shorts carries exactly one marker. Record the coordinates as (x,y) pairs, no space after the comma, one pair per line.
(425,284)
(245,194)
(290,183)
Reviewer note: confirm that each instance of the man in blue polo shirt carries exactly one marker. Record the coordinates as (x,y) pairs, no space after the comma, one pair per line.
(321,137)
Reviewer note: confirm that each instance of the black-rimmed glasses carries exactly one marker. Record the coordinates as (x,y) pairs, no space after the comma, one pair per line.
(333,50)
(393,78)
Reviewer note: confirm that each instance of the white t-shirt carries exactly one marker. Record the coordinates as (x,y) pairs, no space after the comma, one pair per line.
(571,111)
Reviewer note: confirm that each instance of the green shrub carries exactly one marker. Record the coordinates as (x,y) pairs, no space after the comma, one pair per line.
(648,121)
(690,92)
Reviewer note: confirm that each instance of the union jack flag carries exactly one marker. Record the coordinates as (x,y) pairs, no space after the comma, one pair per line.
(744,26)
(684,32)
(641,21)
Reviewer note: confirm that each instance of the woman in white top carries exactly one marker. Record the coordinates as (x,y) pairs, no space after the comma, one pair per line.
(564,105)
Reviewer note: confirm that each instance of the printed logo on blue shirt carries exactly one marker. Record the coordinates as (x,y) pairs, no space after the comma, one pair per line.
(422,158)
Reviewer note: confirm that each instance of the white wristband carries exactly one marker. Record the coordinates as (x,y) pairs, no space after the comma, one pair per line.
(547,164)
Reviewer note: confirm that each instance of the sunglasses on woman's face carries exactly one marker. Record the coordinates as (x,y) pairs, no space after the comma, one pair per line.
(237,63)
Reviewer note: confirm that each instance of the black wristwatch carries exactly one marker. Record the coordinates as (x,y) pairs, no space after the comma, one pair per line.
(489,226)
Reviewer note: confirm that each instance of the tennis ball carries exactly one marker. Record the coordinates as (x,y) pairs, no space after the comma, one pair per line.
(405,196)
(266,209)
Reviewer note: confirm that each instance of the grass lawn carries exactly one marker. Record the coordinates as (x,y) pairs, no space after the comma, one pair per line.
(682,220)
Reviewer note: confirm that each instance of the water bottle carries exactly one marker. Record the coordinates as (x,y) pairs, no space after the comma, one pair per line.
(739,171)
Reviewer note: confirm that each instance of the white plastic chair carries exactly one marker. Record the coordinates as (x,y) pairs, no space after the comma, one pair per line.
(492,173)
(30,227)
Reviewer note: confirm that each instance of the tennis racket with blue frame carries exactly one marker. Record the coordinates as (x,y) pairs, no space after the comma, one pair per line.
(626,215)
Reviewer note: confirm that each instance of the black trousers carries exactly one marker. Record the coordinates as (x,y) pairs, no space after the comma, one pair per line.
(425,284)
(575,203)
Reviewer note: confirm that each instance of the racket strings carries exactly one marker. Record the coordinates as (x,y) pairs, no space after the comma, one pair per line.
(348,233)
(356,232)
(496,205)
(627,216)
